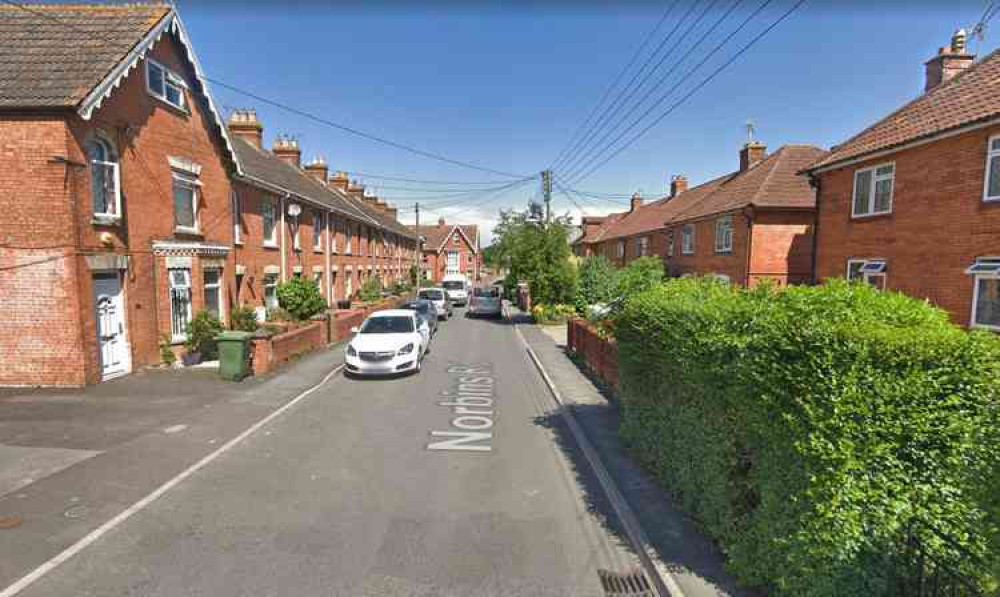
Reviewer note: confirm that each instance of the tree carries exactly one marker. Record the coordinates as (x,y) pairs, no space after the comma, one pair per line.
(536,254)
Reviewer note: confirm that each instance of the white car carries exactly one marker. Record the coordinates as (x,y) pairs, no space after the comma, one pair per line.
(458,288)
(392,341)
(486,301)
(440,298)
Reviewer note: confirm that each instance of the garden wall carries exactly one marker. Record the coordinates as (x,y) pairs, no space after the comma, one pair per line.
(599,355)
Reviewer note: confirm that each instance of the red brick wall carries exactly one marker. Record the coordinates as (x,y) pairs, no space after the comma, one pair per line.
(599,355)
(781,249)
(938,225)
(705,260)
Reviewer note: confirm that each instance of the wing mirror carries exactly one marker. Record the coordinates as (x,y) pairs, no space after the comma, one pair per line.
(355,330)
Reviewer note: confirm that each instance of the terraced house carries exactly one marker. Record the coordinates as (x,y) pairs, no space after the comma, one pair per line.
(127,208)
(747,226)
(912,203)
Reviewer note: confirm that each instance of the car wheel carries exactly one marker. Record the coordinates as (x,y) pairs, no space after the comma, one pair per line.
(420,365)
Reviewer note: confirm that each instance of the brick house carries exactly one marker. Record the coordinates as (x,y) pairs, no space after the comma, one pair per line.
(752,224)
(912,203)
(450,249)
(115,191)
(292,220)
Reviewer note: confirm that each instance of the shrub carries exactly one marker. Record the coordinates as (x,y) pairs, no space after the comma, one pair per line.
(807,427)
(166,354)
(371,290)
(597,282)
(641,275)
(201,333)
(243,319)
(301,298)
(550,314)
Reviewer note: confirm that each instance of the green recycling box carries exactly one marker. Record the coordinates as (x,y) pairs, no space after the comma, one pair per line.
(234,355)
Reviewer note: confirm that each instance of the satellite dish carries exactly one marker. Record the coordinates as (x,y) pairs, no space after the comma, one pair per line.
(294,209)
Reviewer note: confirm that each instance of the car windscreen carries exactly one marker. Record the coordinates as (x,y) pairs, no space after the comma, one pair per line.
(453,285)
(388,325)
(487,292)
(434,295)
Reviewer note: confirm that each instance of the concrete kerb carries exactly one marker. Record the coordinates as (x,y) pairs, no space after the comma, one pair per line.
(663,580)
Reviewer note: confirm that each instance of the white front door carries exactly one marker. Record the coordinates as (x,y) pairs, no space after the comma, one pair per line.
(110,305)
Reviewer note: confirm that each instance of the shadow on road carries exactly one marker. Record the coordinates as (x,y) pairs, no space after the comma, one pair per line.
(676,538)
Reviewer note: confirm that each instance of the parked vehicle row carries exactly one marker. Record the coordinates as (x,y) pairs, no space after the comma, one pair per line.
(395,341)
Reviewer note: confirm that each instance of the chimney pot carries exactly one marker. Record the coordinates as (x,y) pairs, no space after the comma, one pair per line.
(244,124)
(678,184)
(636,202)
(318,169)
(340,180)
(950,61)
(286,148)
(753,153)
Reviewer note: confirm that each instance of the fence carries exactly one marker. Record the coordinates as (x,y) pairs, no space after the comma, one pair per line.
(598,354)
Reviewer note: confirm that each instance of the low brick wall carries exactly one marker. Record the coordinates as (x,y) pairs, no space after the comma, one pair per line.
(269,352)
(600,356)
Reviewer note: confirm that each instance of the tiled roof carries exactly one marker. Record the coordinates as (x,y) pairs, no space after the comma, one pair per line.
(268,168)
(436,236)
(54,55)
(773,183)
(606,224)
(970,97)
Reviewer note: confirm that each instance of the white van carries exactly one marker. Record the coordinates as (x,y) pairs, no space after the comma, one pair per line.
(458,287)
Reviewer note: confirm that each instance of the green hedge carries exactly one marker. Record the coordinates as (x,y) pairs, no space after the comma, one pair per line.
(806,427)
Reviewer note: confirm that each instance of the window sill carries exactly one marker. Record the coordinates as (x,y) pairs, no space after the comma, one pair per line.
(268,245)
(238,243)
(883,214)
(318,250)
(729,252)
(177,340)
(186,231)
(172,107)
(99,220)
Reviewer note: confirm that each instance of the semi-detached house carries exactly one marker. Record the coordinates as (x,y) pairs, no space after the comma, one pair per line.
(912,203)
(126,206)
(450,249)
(746,226)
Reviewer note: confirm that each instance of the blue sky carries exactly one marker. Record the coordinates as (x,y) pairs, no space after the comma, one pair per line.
(505,86)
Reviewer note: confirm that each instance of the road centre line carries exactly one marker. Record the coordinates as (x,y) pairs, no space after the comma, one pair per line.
(25,581)
(663,580)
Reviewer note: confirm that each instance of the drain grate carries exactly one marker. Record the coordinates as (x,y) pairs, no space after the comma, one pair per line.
(627,584)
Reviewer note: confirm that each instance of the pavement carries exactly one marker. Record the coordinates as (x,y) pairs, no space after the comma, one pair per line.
(461,480)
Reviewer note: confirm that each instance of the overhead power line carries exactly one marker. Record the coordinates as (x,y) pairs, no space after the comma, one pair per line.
(424,181)
(715,73)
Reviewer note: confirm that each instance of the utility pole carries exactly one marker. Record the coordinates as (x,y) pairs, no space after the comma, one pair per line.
(547,193)
(420,248)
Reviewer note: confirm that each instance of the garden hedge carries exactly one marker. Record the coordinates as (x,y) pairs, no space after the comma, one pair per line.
(807,427)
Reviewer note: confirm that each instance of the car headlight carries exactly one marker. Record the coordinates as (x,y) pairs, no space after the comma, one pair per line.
(406,349)
(351,352)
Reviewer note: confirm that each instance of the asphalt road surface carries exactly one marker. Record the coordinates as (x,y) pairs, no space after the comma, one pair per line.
(372,487)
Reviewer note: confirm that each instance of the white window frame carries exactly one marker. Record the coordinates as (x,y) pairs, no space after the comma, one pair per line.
(620,249)
(217,286)
(110,154)
(687,239)
(318,279)
(642,246)
(269,206)
(237,218)
(876,276)
(876,178)
(724,234)
(990,155)
(985,268)
(348,238)
(670,243)
(169,80)
(332,225)
(176,334)
(188,180)
(318,226)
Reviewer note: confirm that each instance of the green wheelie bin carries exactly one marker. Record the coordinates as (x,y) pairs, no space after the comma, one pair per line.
(234,354)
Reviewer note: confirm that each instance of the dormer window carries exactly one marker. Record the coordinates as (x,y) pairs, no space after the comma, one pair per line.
(105,186)
(165,85)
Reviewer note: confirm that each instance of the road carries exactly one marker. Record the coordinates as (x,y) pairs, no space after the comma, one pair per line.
(340,495)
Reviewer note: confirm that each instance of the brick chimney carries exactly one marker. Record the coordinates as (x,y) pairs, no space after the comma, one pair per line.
(318,169)
(244,124)
(678,184)
(636,202)
(391,210)
(441,222)
(949,62)
(356,190)
(753,153)
(287,150)
(340,180)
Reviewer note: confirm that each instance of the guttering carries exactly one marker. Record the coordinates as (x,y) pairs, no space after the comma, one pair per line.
(903,146)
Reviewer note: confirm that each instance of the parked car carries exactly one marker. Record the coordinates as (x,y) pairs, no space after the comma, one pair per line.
(426,310)
(486,301)
(391,341)
(438,296)
(458,288)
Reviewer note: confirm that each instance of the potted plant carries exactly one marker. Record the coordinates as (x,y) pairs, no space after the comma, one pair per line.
(200,342)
